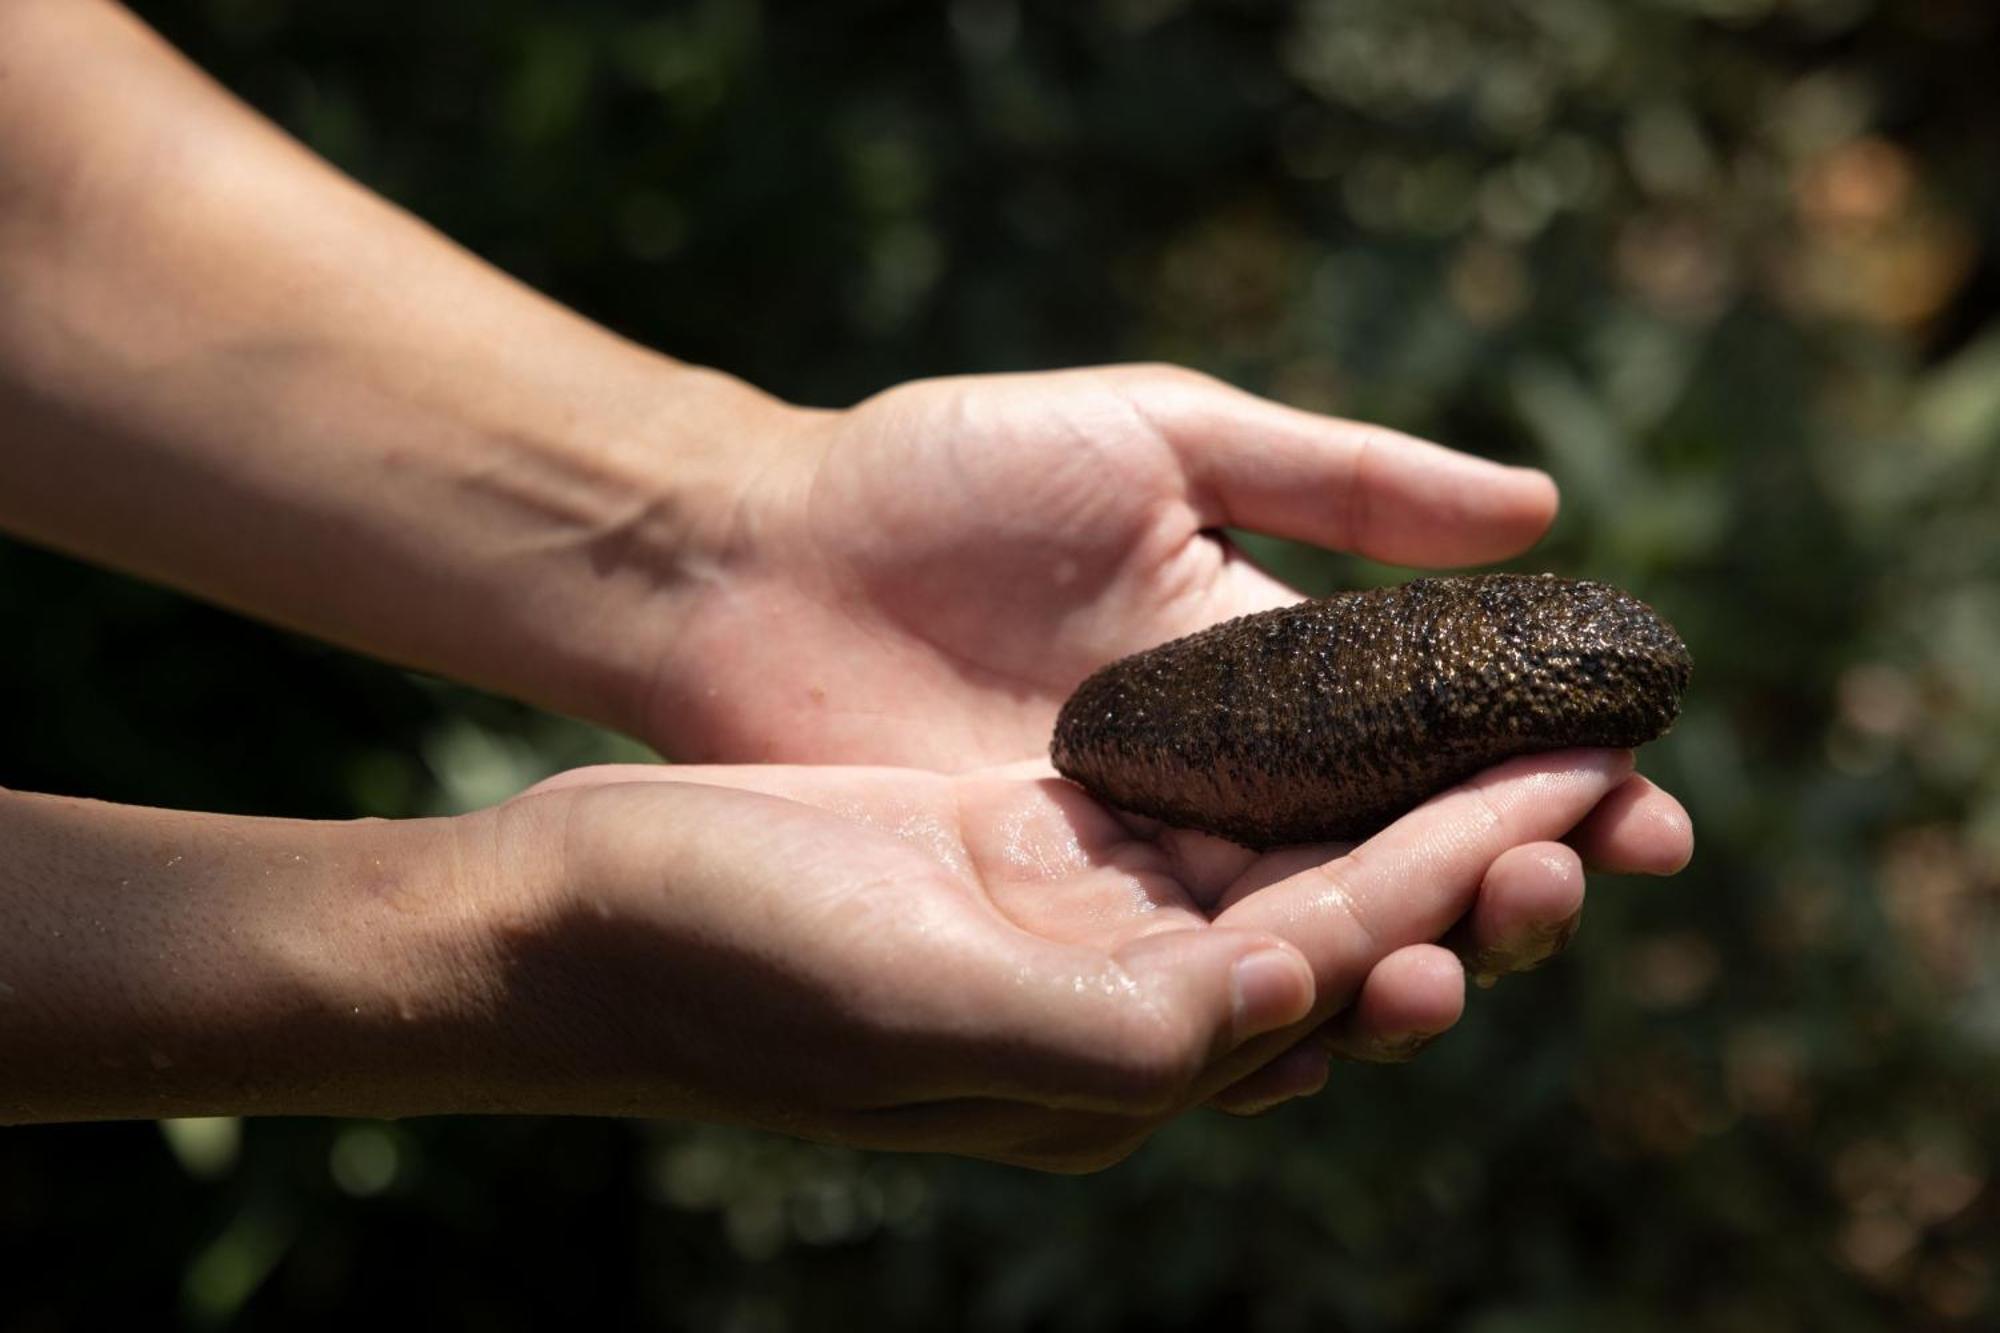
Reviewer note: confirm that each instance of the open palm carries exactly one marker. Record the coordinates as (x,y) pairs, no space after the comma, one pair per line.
(993,963)
(923,579)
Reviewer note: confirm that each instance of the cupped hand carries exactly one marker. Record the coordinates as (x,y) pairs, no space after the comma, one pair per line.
(993,964)
(922,579)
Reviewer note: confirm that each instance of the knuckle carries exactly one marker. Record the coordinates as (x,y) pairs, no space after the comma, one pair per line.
(1471,806)
(1484,809)
(1339,883)
(1165,372)
(1337,876)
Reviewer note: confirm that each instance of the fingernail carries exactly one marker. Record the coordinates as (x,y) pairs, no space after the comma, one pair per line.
(1531,949)
(1271,989)
(1540,947)
(1555,940)
(1396,1050)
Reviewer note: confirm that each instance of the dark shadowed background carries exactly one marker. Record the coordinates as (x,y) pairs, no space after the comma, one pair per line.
(1730,269)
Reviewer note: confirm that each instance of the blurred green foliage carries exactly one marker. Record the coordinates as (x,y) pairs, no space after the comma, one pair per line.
(1727,267)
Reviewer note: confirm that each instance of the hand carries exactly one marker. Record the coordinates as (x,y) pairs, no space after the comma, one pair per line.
(924,578)
(989,964)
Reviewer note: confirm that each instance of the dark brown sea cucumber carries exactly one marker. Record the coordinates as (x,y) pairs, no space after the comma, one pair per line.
(1326,720)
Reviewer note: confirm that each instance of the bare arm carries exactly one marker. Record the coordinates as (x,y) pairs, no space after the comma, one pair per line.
(157,963)
(986,964)
(226,367)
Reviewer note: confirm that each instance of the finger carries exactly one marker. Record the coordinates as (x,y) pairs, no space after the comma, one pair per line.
(1411,997)
(601,775)
(1260,465)
(1410,882)
(793,781)
(1135,1036)
(1205,864)
(1529,905)
(1019,770)
(1636,830)
(1300,1071)
(1407,1000)
(1113,1052)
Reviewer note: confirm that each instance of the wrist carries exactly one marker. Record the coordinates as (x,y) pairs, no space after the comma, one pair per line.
(378,983)
(277,392)
(397,964)
(694,479)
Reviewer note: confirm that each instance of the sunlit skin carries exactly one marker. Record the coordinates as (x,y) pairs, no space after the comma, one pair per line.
(947,560)
(987,964)
(930,893)
(944,628)
(227,368)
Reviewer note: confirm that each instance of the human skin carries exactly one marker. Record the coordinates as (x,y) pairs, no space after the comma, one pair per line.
(987,964)
(227,368)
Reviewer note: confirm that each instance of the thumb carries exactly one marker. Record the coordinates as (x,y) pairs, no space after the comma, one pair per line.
(1261,465)
(1232,984)
(1165,1008)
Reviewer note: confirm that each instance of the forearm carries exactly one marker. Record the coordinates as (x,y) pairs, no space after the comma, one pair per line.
(226,367)
(156,963)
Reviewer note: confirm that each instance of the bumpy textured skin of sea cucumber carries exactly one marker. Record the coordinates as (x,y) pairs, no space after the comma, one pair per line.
(1325,721)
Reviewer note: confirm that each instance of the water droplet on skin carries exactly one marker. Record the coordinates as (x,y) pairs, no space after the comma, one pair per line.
(926,832)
